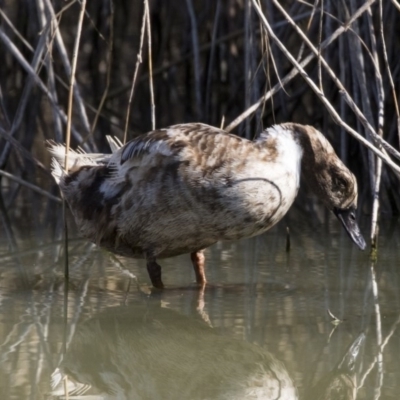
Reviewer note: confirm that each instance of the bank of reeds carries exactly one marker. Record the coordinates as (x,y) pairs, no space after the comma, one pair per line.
(245,64)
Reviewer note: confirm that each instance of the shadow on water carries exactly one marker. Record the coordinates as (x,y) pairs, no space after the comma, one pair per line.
(259,330)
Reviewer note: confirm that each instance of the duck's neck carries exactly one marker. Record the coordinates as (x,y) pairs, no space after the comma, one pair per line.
(281,142)
(321,168)
(317,155)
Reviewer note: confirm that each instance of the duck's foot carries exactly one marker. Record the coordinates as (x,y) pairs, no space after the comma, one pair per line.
(154,271)
(198,261)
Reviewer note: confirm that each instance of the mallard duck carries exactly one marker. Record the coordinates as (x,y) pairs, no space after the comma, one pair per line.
(183,188)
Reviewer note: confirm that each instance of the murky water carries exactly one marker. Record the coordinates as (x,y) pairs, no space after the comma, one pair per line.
(259,330)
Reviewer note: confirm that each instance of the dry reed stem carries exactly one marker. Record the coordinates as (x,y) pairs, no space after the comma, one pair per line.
(396,4)
(108,72)
(15,30)
(265,41)
(321,19)
(23,152)
(30,186)
(153,105)
(65,60)
(387,66)
(335,116)
(138,62)
(211,61)
(67,65)
(248,47)
(360,83)
(294,72)
(50,71)
(72,82)
(27,67)
(376,170)
(25,93)
(170,64)
(4,110)
(381,120)
(196,56)
(68,130)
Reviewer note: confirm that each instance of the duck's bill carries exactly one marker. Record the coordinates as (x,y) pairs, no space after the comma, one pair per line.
(348,220)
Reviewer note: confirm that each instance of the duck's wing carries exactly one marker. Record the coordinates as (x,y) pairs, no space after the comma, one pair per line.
(165,143)
(154,143)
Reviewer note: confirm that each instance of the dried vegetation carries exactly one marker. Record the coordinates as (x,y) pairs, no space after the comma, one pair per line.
(243,64)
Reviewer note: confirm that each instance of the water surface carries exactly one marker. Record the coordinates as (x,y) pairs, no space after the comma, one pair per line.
(259,329)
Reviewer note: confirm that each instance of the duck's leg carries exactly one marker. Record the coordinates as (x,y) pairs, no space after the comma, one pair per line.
(154,271)
(198,261)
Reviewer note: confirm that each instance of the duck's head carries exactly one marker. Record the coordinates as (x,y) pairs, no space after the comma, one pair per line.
(341,198)
(329,179)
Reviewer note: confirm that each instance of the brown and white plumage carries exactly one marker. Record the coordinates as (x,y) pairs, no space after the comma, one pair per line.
(183,188)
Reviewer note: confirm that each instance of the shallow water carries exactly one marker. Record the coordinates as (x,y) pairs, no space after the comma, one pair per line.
(259,329)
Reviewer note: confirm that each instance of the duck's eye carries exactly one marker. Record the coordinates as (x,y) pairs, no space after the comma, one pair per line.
(339,183)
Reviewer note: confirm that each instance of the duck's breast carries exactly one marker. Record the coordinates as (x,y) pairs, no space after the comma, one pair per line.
(256,187)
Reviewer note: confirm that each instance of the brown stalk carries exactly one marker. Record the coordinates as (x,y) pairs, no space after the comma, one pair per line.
(108,72)
(69,120)
(153,105)
(335,116)
(138,62)
(294,72)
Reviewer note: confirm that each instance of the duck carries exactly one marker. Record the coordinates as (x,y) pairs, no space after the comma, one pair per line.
(183,188)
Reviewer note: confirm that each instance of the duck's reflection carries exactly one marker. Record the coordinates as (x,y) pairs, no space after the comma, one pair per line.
(150,352)
(146,351)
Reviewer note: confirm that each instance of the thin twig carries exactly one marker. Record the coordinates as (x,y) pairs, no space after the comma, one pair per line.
(335,116)
(248,47)
(153,104)
(387,66)
(358,63)
(108,73)
(67,67)
(381,99)
(207,46)
(138,62)
(68,128)
(72,82)
(25,93)
(211,60)
(396,4)
(50,72)
(15,30)
(294,72)
(196,57)
(28,68)
(30,186)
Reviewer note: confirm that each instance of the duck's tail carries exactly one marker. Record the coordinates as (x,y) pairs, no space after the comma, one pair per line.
(75,159)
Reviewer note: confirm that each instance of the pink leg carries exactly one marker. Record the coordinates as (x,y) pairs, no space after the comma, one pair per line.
(198,261)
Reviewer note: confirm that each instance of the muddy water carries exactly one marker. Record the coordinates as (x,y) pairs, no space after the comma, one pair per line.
(259,330)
